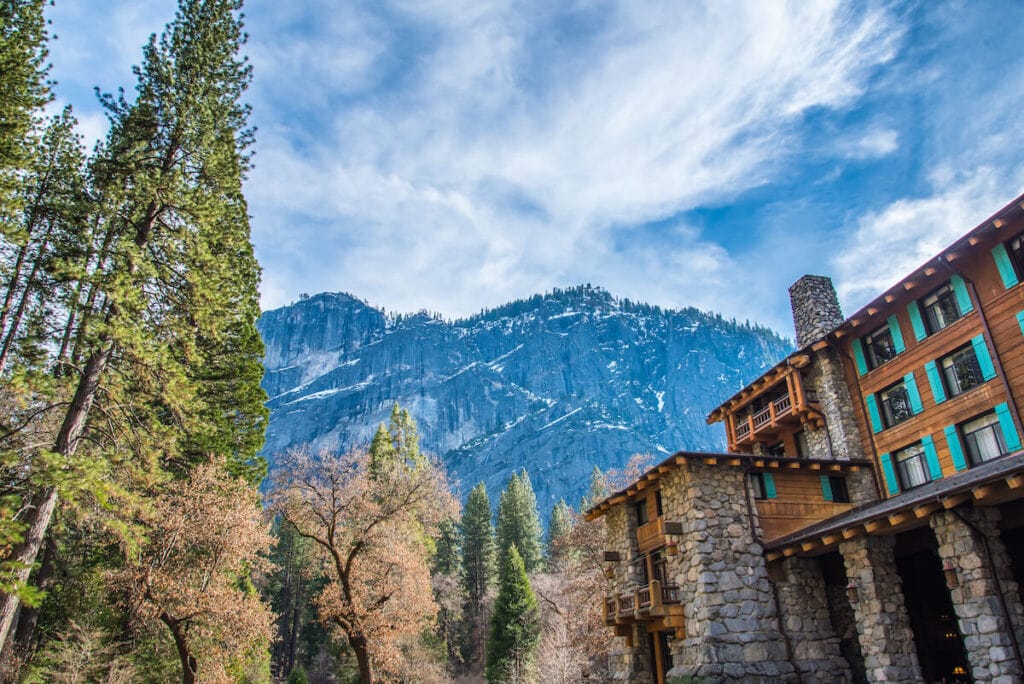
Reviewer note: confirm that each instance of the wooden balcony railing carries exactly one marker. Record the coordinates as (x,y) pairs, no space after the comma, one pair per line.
(783,405)
(742,430)
(650,535)
(643,604)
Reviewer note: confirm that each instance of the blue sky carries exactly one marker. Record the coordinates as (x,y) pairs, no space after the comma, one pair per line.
(452,155)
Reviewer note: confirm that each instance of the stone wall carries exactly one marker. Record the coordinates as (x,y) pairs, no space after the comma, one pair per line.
(968,539)
(626,661)
(731,622)
(828,380)
(804,612)
(816,310)
(886,638)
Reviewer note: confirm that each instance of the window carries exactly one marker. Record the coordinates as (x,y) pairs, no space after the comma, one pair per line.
(757,483)
(910,466)
(657,502)
(778,449)
(641,512)
(960,371)
(1015,250)
(840,494)
(895,403)
(983,438)
(803,450)
(878,347)
(940,309)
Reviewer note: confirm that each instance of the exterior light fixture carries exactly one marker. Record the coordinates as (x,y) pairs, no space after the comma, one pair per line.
(952,578)
(671,549)
(851,592)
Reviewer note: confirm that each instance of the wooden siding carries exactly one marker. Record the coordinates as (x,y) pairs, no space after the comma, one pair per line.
(1000,307)
(799,502)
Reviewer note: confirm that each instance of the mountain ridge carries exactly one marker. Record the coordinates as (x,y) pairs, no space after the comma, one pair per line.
(556,383)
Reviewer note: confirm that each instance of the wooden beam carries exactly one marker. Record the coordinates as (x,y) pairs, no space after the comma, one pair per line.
(929,271)
(898,519)
(710,461)
(988,491)
(1015,481)
(814,466)
(773,464)
(773,556)
(758,463)
(793,465)
(789,551)
(974,240)
(909,285)
(810,545)
(835,467)
(830,539)
(873,526)
(735,461)
(955,500)
(853,532)
(872,311)
(889,299)
(999,223)
(952,256)
(927,509)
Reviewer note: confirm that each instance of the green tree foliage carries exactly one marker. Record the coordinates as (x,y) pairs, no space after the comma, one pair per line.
(519,521)
(396,444)
(446,549)
(559,528)
(23,90)
(596,491)
(478,566)
(515,626)
(129,349)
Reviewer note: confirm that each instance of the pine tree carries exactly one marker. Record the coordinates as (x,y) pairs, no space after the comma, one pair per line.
(168,295)
(478,565)
(23,90)
(519,521)
(596,491)
(446,549)
(558,531)
(515,626)
(396,444)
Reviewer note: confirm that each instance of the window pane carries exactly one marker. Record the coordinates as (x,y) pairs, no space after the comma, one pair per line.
(910,464)
(757,484)
(940,309)
(1015,248)
(984,438)
(960,371)
(895,405)
(879,347)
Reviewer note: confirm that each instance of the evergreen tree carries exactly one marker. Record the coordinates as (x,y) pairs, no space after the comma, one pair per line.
(519,521)
(165,353)
(446,549)
(23,90)
(558,531)
(515,626)
(396,444)
(478,565)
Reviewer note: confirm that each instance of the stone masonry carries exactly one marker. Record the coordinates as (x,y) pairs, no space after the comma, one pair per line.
(985,625)
(626,661)
(816,310)
(886,638)
(732,629)
(804,612)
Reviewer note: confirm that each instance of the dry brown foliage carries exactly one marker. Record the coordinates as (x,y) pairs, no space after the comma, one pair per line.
(373,533)
(207,535)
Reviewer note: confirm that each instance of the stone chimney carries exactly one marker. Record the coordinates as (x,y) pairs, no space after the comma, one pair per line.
(815,307)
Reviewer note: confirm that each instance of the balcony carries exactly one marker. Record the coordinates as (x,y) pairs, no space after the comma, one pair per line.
(654,603)
(767,421)
(652,535)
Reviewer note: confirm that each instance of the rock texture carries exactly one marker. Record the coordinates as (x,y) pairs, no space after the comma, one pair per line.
(555,383)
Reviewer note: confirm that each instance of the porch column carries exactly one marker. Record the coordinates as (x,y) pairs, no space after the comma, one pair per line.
(985,624)
(883,626)
(804,614)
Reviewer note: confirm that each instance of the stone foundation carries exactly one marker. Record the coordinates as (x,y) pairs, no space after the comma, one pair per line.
(886,638)
(984,623)
(804,613)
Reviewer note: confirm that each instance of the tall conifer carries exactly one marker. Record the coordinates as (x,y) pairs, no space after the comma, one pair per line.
(478,568)
(515,626)
(519,521)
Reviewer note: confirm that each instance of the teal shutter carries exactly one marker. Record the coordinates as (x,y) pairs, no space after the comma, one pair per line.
(889,474)
(963,297)
(897,335)
(769,486)
(1009,430)
(858,357)
(1005,266)
(956,449)
(912,393)
(988,371)
(876,419)
(914,311)
(1020,320)
(931,457)
(826,487)
(935,380)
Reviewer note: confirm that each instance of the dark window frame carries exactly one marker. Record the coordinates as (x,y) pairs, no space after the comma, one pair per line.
(944,295)
(757,486)
(879,347)
(642,515)
(913,462)
(840,492)
(961,374)
(1015,251)
(893,409)
(971,452)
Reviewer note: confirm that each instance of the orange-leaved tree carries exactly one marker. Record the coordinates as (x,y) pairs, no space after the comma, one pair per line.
(373,525)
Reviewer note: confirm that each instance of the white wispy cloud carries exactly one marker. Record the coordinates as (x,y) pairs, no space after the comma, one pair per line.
(473,183)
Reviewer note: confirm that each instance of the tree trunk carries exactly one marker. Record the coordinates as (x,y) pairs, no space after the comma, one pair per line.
(8,342)
(28,617)
(43,503)
(189,666)
(360,645)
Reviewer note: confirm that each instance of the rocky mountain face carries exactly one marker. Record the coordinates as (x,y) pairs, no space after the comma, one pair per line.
(556,384)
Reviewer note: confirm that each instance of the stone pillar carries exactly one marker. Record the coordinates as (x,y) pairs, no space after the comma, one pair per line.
(804,614)
(828,380)
(986,628)
(883,626)
(816,310)
(732,630)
